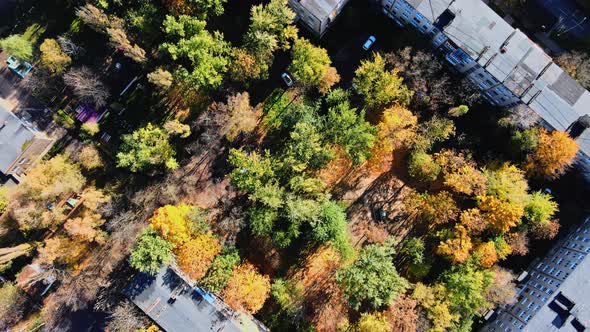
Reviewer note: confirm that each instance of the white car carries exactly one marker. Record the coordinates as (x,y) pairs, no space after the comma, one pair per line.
(287,79)
(367,45)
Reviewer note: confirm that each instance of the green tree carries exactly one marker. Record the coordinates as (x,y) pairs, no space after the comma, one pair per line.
(466,289)
(422,166)
(220,271)
(271,28)
(372,280)
(379,86)
(207,52)
(251,171)
(331,225)
(18,46)
(310,64)
(306,148)
(413,250)
(540,208)
(288,294)
(150,252)
(435,130)
(348,128)
(146,148)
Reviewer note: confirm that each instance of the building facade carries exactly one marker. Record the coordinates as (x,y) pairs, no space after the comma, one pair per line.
(555,295)
(508,67)
(317,15)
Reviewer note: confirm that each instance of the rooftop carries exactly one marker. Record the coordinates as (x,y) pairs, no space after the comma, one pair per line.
(14,136)
(513,59)
(176,307)
(320,8)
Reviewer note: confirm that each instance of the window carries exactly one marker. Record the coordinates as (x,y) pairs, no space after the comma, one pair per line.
(543,299)
(536,308)
(559,261)
(558,273)
(573,266)
(521,314)
(527,318)
(524,301)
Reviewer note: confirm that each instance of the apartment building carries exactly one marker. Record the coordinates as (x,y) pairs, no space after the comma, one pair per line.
(507,66)
(317,15)
(555,295)
(21,146)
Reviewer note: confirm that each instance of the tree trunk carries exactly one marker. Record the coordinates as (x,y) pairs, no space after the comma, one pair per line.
(8,254)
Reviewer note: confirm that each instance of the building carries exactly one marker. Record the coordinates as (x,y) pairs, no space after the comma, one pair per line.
(178,307)
(317,15)
(508,67)
(555,295)
(21,146)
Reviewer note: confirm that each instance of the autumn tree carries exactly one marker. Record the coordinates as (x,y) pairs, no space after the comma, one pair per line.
(396,129)
(437,209)
(311,66)
(196,255)
(208,53)
(18,46)
(177,128)
(89,158)
(53,58)
(3,200)
(486,253)
(46,182)
(422,166)
(150,252)
(85,227)
(402,315)
(161,78)
(435,130)
(503,288)
(473,221)
(379,86)
(373,322)
(87,86)
(545,230)
(244,66)
(518,242)
(457,248)
(460,173)
(220,271)
(62,251)
(500,215)
(437,305)
(553,156)
(247,289)
(372,280)
(171,223)
(236,116)
(13,303)
(146,148)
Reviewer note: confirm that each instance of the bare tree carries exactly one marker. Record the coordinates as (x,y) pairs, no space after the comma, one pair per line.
(87,86)
(69,47)
(125,318)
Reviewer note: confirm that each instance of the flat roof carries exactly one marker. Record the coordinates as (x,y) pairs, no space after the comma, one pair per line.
(515,60)
(320,8)
(192,310)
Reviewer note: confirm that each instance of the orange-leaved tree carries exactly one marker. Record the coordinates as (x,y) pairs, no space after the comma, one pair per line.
(196,255)
(487,254)
(171,223)
(554,154)
(247,289)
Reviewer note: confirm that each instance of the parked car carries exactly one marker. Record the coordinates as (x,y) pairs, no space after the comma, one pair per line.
(367,45)
(287,79)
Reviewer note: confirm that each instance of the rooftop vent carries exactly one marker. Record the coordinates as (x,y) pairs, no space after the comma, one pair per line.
(577,128)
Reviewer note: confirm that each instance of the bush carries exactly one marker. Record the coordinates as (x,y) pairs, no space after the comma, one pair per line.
(64,119)
(90,129)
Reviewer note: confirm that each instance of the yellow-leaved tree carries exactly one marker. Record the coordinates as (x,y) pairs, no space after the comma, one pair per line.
(456,249)
(171,223)
(247,289)
(500,215)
